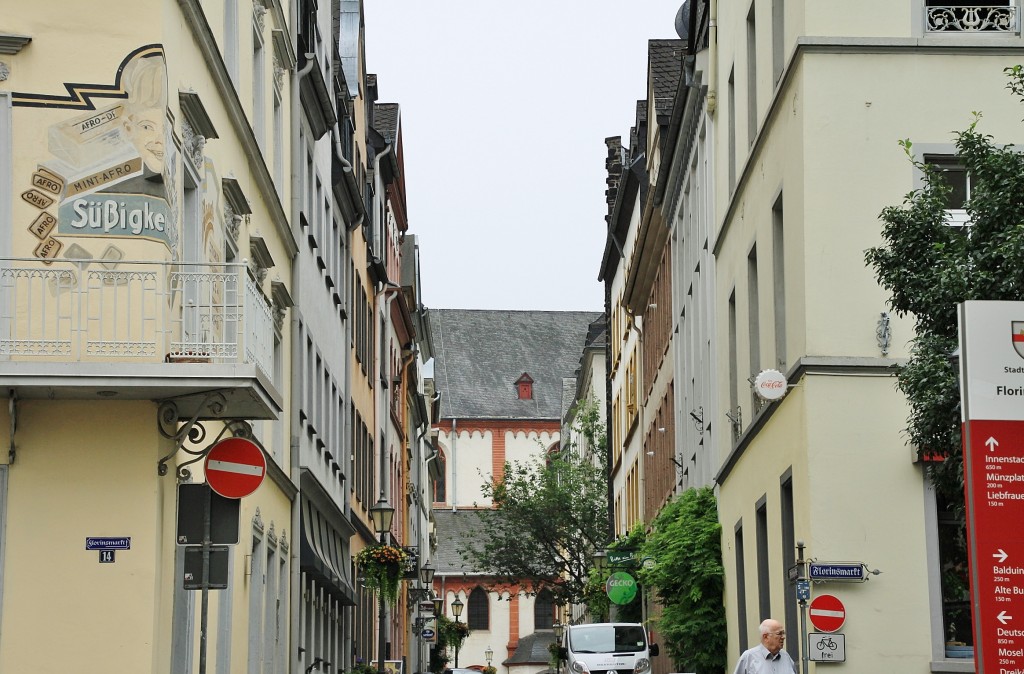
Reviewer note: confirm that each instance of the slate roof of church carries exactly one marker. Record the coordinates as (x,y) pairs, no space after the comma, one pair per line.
(454,529)
(479,355)
(533,649)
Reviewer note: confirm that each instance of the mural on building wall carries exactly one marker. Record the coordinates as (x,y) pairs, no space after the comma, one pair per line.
(106,173)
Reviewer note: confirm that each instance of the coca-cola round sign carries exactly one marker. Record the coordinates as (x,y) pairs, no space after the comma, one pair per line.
(771,385)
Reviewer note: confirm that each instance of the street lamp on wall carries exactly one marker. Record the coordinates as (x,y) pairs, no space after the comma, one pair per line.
(381,513)
(438,606)
(427,575)
(457,607)
(489,655)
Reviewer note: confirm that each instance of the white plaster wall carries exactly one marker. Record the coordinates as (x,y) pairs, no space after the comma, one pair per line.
(521,446)
(463,462)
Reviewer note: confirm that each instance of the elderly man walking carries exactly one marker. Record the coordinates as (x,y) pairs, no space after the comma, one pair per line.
(767,657)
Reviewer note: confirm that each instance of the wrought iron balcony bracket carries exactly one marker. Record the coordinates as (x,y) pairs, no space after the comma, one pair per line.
(195,432)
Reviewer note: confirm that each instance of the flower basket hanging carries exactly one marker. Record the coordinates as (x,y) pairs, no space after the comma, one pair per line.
(382,568)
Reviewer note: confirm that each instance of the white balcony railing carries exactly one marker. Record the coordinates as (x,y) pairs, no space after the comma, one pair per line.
(138,312)
(967,19)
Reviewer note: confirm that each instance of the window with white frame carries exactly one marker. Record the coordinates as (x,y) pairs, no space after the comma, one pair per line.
(278,138)
(231,39)
(258,73)
(955,176)
(271,601)
(6,170)
(256,587)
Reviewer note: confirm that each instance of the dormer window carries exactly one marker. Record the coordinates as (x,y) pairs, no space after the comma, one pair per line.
(524,387)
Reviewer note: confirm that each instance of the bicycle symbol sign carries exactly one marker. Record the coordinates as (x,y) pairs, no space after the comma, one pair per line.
(826,647)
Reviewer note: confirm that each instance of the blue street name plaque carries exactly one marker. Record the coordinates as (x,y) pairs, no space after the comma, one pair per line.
(837,571)
(108,543)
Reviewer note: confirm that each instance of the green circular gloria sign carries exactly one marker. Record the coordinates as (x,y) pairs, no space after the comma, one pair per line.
(620,588)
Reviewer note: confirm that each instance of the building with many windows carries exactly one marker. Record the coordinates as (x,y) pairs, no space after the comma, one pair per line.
(147,280)
(778,154)
(202,237)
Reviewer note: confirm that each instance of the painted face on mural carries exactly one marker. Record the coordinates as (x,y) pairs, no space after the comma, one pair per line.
(145,84)
(145,129)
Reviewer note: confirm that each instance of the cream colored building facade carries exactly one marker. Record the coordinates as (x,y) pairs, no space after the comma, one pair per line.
(765,184)
(624,328)
(809,101)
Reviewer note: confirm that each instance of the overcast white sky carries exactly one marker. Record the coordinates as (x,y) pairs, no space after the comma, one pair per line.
(505,108)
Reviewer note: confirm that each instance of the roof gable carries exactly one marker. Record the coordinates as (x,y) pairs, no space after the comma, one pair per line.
(480,355)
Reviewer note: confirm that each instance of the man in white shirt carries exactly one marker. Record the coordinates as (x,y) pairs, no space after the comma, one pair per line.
(768,656)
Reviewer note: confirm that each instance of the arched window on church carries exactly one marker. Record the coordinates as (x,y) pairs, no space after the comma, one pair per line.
(478,611)
(543,610)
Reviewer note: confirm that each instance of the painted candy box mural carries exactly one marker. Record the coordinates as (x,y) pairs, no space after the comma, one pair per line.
(103,180)
(134,256)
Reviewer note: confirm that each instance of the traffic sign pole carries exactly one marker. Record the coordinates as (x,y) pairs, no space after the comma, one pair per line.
(801,575)
(204,614)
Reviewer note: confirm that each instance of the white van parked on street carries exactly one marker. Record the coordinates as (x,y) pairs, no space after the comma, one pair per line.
(607,648)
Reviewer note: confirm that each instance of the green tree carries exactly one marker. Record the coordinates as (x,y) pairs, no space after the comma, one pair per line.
(550,515)
(688,579)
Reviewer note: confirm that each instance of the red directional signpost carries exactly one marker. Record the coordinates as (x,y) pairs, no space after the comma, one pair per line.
(235,467)
(992,403)
(827,613)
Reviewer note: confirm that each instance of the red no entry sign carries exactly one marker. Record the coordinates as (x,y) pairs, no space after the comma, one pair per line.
(827,613)
(235,467)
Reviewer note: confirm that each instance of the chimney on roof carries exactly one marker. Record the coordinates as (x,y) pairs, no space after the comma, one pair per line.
(613,165)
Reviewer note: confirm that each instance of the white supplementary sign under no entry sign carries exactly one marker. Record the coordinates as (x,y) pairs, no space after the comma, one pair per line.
(826,647)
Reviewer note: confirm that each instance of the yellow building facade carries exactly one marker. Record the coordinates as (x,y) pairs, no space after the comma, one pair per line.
(146,253)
